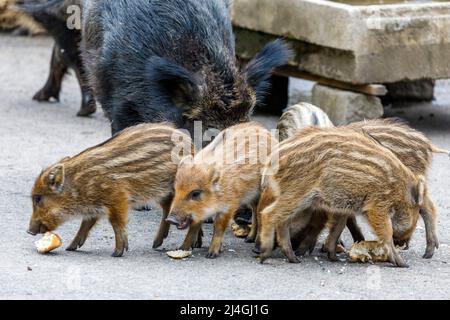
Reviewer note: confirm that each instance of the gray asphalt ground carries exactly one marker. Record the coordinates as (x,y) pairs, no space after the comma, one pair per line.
(33,136)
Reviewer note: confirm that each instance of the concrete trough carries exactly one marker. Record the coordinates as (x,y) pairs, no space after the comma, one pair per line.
(357,44)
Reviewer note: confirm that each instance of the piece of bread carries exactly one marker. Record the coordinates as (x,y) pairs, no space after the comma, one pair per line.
(366,251)
(179,254)
(240,231)
(48,243)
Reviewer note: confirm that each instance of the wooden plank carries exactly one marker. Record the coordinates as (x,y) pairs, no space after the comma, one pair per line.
(369,89)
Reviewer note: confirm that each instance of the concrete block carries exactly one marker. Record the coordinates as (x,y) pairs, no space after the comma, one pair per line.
(344,107)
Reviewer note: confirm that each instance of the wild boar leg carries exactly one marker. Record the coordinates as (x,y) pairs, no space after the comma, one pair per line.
(428,213)
(338,225)
(83,233)
(382,226)
(192,237)
(267,233)
(58,68)
(118,217)
(220,225)
(88,104)
(255,224)
(284,241)
(311,233)
(355,230)
(164,226)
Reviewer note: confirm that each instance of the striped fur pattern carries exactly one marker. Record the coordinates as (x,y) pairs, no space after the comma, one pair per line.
(131,169)
(415,151)
(11,18)
(342,172)
(220,179)
(300,116)
(412,147)
(305,232)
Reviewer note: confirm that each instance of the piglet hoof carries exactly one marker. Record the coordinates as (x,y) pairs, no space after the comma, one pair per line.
(45,95)
(157,243)
(429,252)
(402,264)
(428,255)
(117,254)
(256,250)
(72,248)
(250,240)
(263,257)
(293,259)
(332,257)
(212,255)
(397,261)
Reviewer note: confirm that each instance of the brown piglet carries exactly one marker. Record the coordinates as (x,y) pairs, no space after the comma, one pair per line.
(135,167)
(220,179)
(415,151)
(342,172)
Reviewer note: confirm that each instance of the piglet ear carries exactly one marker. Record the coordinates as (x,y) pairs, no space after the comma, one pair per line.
(214,177)
(173,81)
(186,161)
(259,70)
(55,178)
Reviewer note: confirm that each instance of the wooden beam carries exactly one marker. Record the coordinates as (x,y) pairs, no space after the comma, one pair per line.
(369,89)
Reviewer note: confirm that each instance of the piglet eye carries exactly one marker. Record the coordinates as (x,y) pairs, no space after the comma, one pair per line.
(37,199)
(195,195)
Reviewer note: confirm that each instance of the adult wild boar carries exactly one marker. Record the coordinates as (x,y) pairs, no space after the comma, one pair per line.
(171,60)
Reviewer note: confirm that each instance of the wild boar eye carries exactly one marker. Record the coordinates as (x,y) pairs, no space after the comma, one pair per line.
(195,195)
(37,199)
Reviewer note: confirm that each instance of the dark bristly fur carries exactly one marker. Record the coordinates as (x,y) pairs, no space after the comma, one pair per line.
(171,60)
(66,54)
(132,168)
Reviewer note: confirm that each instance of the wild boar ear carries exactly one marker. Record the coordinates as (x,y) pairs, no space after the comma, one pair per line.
(55,178)
(215,178)
(259,70)
(186,160)
(417,192)
(173,81)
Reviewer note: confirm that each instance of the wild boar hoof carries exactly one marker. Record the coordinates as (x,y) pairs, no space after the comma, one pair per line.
(45,95)
(157,243)
(256,250)
(250,240)
(332,257)
(398,261)
(294,260)
(427,255)
(86,111)
(262,258)
(212,255)
(117,254)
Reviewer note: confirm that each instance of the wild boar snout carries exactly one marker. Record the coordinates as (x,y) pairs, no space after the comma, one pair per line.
(36,227)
